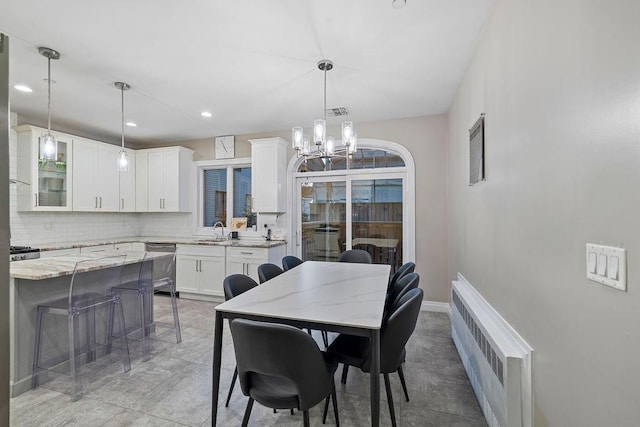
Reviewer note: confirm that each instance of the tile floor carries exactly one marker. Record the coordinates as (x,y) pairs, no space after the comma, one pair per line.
(174,387)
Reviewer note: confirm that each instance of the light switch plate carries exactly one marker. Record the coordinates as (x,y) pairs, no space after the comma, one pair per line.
(607,256)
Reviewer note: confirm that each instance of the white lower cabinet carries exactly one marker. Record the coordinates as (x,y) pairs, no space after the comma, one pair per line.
(245,260)
(200,270)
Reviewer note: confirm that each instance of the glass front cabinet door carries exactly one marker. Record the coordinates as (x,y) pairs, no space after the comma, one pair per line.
(45,184)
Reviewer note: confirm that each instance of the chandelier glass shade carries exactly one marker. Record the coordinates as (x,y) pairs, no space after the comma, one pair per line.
(324,146)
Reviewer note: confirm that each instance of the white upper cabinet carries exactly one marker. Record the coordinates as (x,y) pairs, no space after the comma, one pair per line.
(128,185)
(167,181)
(44,185)
(96,177)
(268,174)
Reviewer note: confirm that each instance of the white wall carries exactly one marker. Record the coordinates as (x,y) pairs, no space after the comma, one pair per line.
(559,82)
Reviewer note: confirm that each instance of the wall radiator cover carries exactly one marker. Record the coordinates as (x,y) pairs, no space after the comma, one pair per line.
(497,360)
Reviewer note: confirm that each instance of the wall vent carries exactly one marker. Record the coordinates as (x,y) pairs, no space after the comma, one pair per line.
(497,360)
(337,112)
(483,344)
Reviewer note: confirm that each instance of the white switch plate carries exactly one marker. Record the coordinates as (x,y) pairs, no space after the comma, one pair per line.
(605,255)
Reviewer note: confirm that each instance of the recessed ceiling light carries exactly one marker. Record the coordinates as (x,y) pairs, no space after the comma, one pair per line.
(205,114)
(132,124)
(23,88)
(398,4)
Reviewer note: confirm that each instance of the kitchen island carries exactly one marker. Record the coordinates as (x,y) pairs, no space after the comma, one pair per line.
(37,281)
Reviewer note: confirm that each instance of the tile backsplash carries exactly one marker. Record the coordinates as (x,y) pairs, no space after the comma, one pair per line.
(39,228)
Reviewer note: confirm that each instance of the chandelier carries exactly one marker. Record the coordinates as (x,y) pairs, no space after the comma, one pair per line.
(325,146)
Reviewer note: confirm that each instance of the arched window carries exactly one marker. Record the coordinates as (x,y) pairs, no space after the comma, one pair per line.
(365,202)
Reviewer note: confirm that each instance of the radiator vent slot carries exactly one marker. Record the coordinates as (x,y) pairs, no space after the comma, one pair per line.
(337,112)
(484,345)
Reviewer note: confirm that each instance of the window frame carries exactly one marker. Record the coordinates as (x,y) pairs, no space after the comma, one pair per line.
(201,166)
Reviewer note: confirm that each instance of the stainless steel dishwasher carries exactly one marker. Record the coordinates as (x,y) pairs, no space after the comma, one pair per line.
(158,269)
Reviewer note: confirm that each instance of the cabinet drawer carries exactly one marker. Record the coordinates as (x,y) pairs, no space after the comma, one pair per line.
(201,250)
(59,252)
(248,253)
(97,248)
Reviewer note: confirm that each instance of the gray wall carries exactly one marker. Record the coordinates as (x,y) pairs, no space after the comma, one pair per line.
(560,85)
(4,230)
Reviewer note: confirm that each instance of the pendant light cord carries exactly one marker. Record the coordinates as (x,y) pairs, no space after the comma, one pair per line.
(49,95)
(122,110)
(324,111)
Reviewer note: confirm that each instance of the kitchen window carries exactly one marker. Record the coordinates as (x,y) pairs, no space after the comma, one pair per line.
(224,192)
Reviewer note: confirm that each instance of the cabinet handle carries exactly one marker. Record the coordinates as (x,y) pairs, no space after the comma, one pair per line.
(246,253)
(96,202)
(100,202)
(200,266)
(36,194)
(196,265)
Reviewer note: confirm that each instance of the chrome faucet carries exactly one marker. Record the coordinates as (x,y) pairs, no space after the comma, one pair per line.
(221,225)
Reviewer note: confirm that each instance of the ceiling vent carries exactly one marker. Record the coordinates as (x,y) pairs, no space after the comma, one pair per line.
(337,112)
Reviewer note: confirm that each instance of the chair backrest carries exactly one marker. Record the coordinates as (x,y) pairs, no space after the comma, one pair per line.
(283,351)
(164,268)
(406,268)
(268,271)
(95,276)
(290,262)
(355,255)
(405,284)
(237,284)
(397,331)
(372,249)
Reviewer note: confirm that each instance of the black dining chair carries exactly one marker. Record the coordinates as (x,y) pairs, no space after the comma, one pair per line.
(405,284)
(290,262)
(268,271)
(282,367)
(233,286)
(356,256)
(354,350)
(406,268)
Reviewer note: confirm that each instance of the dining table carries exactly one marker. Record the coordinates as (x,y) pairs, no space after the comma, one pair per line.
(337,297)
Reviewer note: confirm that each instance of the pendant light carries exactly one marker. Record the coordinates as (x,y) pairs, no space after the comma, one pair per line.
(48,143)
(123,156)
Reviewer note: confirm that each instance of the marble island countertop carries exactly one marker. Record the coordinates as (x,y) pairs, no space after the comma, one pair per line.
(196,240)
(47,268)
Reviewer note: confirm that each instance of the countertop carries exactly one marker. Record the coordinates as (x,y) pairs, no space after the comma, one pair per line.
(47,268)
(198,240)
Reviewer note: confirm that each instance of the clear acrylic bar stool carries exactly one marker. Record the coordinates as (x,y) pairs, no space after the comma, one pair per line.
(145,286)
(89,298)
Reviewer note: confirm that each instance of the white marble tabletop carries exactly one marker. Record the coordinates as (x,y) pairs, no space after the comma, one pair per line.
(332,293)
(47,268)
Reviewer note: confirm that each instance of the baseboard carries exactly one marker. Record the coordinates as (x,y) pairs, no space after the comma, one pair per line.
(440,307)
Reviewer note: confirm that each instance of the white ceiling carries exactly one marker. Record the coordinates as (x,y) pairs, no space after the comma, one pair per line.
(251,63)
